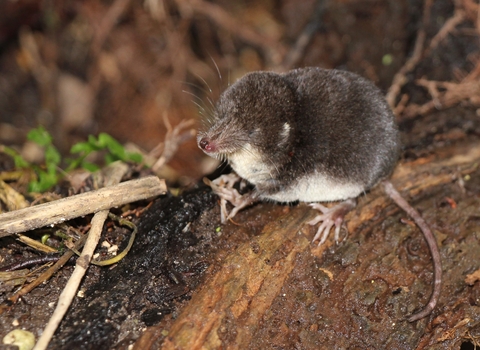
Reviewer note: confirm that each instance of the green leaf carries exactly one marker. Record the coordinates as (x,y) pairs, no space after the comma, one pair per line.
(49,175)
(45,181)
(73,163)
(17,158)
(104,139)
(34,186)
(90,166)
(93,141)
(110,158)
(134,157)
(44,238)
(40,136)
(112,145)
(52,156)
(85,147)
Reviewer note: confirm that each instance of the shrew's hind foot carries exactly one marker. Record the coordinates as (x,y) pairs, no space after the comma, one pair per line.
(330,217)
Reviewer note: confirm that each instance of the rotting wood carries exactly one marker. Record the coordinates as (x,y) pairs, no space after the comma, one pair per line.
(251,277)
(241,292)
(83,204)
(416,177)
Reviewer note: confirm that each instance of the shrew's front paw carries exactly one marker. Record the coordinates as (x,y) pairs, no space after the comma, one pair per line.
(223,187)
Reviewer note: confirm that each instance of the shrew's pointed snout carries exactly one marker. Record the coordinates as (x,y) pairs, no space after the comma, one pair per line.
(207,145)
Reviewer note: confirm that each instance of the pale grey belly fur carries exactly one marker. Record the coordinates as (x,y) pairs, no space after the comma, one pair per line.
(317,188)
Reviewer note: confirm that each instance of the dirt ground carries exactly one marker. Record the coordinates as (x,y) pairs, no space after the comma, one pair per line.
(125,67)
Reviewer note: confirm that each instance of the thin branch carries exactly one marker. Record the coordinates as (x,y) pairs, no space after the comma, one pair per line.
(305,37)
(472,11)
(71,288)
(455,93)
(222,18)
(68,293)
(173,139)
(447,28)
(107,23)
(45,276)
(400,78)
(101,33)
(83,204)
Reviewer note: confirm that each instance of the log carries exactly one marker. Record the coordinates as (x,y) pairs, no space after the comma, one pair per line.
(279,290)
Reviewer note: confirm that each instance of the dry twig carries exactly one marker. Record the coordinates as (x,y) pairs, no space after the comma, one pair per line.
(222,18)
(448,27)
(102,30)
(83,204)
(70,289)
(118,170)
(108,22)
(467,89)
(49,273)
(472,11)
(173,139)
(44,74)
(400,78)
(454,94)
(298,49)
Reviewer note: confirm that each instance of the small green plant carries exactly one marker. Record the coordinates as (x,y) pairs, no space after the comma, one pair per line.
(20,163)
(115,151)
(50,173)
